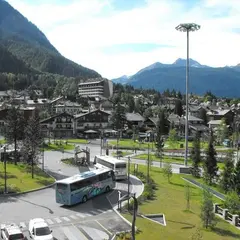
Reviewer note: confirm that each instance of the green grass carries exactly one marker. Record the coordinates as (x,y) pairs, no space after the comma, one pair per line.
(167,159)
(77,140)
(129,143)
(19,178)
(56,147)
(181,224)
(2,141)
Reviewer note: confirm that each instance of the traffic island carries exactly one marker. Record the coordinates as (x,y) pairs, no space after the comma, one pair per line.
(19,179)
(157,218)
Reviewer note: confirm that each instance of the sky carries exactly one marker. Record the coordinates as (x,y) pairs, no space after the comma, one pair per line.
(120,37)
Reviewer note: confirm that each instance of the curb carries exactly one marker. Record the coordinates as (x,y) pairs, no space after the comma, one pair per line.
(30,191)
(125,202)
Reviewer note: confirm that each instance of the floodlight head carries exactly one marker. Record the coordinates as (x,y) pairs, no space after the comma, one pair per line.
(188,27)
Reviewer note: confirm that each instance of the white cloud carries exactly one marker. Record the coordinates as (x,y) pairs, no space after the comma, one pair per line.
(81,30)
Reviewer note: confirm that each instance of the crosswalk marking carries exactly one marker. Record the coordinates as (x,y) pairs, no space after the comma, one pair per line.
(22,224)
(87,214)
(73,217)
(66,219)
(70,233)
(49,221)
(80,215)
(58,220)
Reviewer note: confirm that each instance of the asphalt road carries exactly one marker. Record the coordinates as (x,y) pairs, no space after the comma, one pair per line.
(94,219)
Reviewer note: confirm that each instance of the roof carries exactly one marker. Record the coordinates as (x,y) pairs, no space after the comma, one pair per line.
(84,114)
(219,112)
(110,159)
(154,120)
(39,222)
(215,122)
(57,115)
(193,118)
(199,127)
(132,117)
(38,101)
(82,176)
(11,228)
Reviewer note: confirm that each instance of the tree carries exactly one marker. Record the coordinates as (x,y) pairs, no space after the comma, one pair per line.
(148,113)
(178,108)
(207,215)
(131,103)
(222,131)
(118,117)
(167,171)
(187,195)
(14,127)
(32,140)
(237,177)
(172,138)
(227,176)
(232,202)
(159,139)
(203,115)
(196,155)
(210,162)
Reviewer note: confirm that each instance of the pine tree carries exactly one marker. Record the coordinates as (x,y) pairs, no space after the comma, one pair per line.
(227,176)
(196,156)
(237,177)
(207,214)
(159,132)
(32,140)
(14,128)
(210,163)
(118,117)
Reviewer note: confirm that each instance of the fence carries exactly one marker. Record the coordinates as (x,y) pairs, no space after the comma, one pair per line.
(226,215)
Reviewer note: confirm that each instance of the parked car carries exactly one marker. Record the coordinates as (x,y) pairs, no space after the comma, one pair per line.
(39,230)
(11,232)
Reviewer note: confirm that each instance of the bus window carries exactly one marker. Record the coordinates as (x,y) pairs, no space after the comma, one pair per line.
(78,185)
(61,186)
(120,165)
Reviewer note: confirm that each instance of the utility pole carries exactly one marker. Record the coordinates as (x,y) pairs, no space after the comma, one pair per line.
(128,180)
(135,209)
(148,164)
(43,158)
(5,170)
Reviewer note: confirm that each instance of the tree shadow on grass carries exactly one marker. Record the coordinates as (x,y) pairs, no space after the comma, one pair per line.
(45,182)
(224,232)
(181,185)
(187,225)
(9,175)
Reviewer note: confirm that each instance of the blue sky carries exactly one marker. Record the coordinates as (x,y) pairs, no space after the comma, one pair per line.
(118,37)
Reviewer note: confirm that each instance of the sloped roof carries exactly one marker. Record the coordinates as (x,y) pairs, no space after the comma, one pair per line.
(134,117)
(84,114)
(215,122)
(57,115)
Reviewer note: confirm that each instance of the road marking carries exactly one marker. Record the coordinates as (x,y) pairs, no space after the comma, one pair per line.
(49,221)
(22,224)
(88,215)
(66,219)
(58,220)
(70,233)
(103,227)
(80,215)
(73,217)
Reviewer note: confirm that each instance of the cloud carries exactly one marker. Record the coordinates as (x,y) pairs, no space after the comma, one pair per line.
(89,31)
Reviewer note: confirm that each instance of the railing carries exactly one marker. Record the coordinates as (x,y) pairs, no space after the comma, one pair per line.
(226,215)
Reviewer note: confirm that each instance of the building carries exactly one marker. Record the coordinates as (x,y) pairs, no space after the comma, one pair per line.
(99,87)
(58,126)
(68,107)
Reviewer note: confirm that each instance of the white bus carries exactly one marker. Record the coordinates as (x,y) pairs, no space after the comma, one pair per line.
(118,166)
(81,187)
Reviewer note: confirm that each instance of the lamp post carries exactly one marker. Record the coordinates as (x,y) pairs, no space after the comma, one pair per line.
(128,180)
(5,170)
(187,27)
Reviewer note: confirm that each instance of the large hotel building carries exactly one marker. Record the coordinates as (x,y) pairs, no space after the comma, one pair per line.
(99,87)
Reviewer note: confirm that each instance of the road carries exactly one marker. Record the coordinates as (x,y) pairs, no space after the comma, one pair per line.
(94,219)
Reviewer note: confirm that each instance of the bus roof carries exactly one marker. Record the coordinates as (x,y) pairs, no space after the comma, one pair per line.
(83,175)
(110,159)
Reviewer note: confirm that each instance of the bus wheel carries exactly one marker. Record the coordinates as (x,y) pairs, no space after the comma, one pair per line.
(84,199)
(107,189)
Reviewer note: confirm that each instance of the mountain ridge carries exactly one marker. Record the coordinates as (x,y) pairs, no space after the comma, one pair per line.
(223,81)
(23,40)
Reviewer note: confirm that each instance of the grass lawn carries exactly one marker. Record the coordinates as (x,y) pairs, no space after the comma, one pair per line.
(19,178)
(123,153)
(2,141)
(77,140)
(129,143)
(181,224)
(178,160)
(56,147)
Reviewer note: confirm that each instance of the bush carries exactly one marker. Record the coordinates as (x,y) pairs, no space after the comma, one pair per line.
(232,203)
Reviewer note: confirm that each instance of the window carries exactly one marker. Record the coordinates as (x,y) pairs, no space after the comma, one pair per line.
(121,165)
(61,186)
(16,236)
(43,231)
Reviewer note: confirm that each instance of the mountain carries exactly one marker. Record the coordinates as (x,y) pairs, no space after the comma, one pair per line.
(25,43)
(223,82)
(123,79)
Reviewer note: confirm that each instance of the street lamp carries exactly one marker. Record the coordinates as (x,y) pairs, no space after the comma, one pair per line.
(187,27)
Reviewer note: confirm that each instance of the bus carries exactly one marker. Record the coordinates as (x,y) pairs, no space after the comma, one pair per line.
(81,187)
(118,166)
